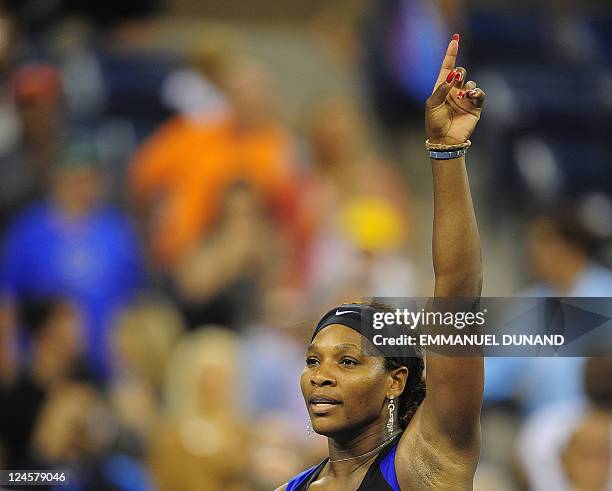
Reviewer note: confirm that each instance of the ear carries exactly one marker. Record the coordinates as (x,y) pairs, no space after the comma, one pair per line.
(398,378)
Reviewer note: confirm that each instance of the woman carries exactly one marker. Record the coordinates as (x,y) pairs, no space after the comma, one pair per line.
(383,432)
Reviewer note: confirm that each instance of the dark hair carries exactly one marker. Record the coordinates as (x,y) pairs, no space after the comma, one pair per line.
(571,227)
(415,389)
(597,375)
(34,312)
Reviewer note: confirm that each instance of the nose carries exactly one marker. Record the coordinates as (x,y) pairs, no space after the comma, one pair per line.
(322,378)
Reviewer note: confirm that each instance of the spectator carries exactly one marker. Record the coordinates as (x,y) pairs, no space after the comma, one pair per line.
(181,173)
(72,245)
(560,248)
(199,444)
(278,334)
(54,332)
(75,432)
(358,211)
(567,445)
(25,159)
(221,280)
(143,337)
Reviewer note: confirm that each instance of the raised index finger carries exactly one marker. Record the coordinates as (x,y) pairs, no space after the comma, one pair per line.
(449,59)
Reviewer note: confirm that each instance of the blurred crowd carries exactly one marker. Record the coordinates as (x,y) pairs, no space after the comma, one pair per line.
(169,235)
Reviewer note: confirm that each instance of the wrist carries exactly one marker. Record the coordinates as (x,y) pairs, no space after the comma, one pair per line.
(440,140)
(441,151)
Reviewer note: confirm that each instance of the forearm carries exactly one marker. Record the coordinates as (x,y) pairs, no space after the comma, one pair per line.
(454,384)
(456,243)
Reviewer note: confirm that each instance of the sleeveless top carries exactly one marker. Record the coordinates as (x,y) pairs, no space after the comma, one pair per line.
(379,477)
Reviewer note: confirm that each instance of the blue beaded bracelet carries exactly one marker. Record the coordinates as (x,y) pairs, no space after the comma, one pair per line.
(447,155)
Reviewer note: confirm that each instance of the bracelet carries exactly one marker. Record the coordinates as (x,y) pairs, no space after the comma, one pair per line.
(447,154)
(438,151)
(441,146)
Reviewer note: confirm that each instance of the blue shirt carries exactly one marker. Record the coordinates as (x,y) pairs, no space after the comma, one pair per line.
(93,260)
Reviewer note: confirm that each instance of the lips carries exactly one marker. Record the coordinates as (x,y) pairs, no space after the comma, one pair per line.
(322,404)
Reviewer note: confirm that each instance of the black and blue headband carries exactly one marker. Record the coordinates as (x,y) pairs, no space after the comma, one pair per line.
(360,318)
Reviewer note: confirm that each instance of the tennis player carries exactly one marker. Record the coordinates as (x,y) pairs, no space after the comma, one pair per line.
(384,430)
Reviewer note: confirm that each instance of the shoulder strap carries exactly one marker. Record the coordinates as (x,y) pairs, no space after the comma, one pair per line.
(387,469)
(381,474)
(306,477)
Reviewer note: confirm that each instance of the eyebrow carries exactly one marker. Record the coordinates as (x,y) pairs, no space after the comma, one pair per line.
(343,346)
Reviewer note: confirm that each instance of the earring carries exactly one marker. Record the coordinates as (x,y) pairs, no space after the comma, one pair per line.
(391,422)
(309,429)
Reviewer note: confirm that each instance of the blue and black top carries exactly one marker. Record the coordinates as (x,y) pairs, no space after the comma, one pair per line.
(380,476)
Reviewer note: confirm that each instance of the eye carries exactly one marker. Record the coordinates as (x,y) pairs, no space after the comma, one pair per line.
(349,362)
(311,361)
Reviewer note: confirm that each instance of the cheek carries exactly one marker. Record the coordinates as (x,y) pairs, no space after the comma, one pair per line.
(365,393)
(304,381)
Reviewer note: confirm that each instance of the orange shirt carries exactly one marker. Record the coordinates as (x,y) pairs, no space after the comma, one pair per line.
(183,170)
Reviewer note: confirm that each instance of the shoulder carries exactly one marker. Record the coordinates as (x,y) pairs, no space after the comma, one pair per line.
(29,220)
(295,482)
(423,456)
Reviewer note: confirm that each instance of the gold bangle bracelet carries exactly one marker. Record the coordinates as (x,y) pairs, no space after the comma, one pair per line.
(447,148)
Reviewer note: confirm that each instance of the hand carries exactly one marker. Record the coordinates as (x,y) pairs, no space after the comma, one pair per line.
(453,109)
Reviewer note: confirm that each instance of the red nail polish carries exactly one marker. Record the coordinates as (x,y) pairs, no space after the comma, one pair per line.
(451,76)
(456,37)
(461,94)
(458,76)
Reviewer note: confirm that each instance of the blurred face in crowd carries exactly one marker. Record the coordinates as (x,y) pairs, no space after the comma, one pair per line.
(345,390)
(586,458)
(334,130)
(63,330)
(217,384)
(73,424)
(545,248)
(247,86)
(40,118)
(77,188)
(240,207)
(597,381)
(38,93)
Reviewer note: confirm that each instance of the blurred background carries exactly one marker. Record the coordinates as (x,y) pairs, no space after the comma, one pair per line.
(186,185)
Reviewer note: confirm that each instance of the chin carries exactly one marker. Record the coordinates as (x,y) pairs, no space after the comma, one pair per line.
(326,426)
(331,428)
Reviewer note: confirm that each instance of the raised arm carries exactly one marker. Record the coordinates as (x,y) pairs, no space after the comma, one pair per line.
(451,115)
(454,385)
(448,420)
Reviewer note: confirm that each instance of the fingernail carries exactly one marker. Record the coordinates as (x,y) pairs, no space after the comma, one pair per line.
(458,77)
(471,92)
(456,37)
(461,94)
(451,76)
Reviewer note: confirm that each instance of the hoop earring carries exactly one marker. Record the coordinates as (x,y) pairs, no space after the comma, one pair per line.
(391,421)
(309,429)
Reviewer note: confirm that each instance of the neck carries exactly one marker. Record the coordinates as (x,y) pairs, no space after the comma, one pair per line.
(347,454)
(72,210)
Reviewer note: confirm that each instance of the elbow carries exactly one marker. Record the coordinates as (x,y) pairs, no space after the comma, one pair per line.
(460,283)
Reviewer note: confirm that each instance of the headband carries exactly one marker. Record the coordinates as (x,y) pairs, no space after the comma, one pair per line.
(360,318)
(350,315)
